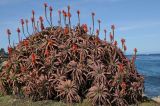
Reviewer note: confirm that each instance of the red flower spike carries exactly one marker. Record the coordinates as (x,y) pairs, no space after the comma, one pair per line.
(74,47)
(41,22)
(8,32)
(99,21)
(125,47)
(18,31)
(112,27)
(123,41)
(50,8)
(32,19)
(45,5)
(85,28)
(78,12)
(22,22)
(33,13)
(41,19)
(97,32)
(135,50)
(93,14)
(105,31)
(111,37)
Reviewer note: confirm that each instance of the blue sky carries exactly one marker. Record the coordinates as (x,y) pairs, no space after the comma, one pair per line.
(138,21)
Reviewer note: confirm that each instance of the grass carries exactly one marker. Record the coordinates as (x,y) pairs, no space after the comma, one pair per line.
(11,101)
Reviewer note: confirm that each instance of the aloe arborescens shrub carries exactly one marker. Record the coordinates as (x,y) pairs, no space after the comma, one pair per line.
(65,63)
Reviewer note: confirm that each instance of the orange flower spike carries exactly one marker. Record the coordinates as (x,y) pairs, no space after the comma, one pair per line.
(26,43)
(64,13)
(69,15)
(33,57)
(120,67)
(66,30)
(50,42)
(65,16)
(9,50)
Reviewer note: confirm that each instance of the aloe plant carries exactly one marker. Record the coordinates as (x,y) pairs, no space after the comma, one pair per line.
(70,64)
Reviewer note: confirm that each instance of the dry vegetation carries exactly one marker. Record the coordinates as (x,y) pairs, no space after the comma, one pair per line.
(70,64)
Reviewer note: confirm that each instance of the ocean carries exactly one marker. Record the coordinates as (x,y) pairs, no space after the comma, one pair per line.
(149,66)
